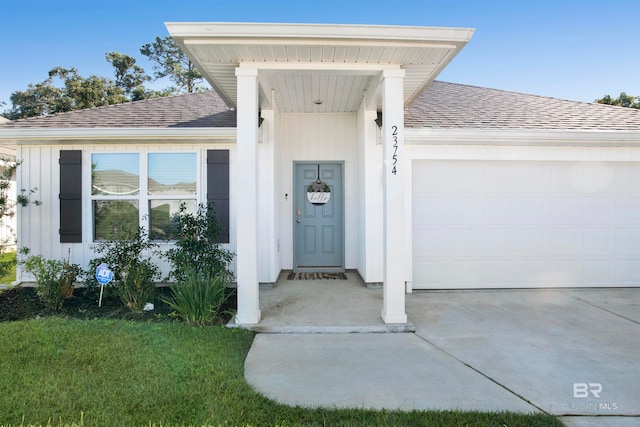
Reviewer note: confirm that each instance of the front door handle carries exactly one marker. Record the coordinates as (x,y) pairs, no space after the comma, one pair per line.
(298,220)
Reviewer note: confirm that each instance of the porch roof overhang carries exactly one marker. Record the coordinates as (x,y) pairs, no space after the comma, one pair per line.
(318,67)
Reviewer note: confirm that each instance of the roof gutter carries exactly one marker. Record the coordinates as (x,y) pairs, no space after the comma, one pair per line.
(524,137)
(24,136)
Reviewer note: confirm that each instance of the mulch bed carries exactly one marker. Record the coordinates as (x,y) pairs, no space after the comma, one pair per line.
(23,303)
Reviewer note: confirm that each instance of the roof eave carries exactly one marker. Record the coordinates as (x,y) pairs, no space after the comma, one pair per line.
(533,137)
(234,30)
(21,136)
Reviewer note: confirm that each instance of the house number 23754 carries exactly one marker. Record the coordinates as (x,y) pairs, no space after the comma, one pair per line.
(394,137)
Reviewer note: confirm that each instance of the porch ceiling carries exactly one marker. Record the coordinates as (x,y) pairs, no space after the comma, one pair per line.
(302,64)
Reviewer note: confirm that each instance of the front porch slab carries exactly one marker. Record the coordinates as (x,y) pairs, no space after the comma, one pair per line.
(322,306)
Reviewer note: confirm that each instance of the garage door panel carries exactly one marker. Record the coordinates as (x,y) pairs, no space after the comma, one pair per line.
(500,211)
(533,179)
(564,272)
(460,214)
(498,273)
(467,241)
(627,210)
(564,241)
(436,178)
(627,241)
(596,240)
(627,272)
(596,210)
(469,183)
(433,242)
(484,224)
(598,272)
(627,180)
(532,210)
(501,240)
(587,178)
(432,210)
(531,240)
(444,277)
(565,211)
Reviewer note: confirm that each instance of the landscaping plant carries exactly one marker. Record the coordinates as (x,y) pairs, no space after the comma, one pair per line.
(196,247)
(55,278)
(134,271)
(199,298)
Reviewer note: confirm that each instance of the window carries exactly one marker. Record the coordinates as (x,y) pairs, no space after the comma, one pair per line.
(132,189)
(171,182)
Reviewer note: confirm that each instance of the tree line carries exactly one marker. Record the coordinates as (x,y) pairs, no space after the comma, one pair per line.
(66,90)
(623,100)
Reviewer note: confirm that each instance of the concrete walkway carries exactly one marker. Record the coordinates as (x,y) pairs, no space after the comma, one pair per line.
(514,350)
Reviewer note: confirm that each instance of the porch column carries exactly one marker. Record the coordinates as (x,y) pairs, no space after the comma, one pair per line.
(393,308)
(246,170)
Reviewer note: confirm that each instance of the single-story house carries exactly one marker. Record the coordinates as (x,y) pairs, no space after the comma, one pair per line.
(432,185)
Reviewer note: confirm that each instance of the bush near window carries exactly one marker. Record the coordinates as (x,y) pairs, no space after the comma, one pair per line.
(195,236)
(134,271)
(55,278)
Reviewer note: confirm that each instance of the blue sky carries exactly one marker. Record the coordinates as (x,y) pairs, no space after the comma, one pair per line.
(572,49)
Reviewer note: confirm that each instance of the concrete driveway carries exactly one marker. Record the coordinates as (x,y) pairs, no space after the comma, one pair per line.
(572,353)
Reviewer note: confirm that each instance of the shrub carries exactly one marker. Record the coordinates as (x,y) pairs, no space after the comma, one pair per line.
(198,299)
(54,278)
(196,246)
(134,272)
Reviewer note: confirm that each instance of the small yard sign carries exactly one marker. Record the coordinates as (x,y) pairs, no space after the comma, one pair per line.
(104,276)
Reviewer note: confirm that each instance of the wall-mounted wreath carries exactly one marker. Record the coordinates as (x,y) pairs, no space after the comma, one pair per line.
(318,192)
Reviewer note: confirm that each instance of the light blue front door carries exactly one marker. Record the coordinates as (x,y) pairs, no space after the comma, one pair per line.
(318,230)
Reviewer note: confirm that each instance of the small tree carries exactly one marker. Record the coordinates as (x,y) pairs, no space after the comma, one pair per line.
(170,61)
(134,271)
(130,77)
(55,278)
(196,246)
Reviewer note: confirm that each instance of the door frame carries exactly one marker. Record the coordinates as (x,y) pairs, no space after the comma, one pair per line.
(294,244)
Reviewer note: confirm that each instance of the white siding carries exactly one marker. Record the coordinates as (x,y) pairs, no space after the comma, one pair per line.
(38,225)
(268,260)
(370,223)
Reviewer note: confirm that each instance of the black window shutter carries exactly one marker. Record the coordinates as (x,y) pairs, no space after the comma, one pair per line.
(218,189)
(70,196)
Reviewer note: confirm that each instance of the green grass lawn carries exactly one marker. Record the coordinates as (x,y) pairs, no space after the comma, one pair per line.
(123,373)
(10,277)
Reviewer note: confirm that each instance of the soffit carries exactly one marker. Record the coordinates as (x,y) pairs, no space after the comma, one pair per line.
(303,63)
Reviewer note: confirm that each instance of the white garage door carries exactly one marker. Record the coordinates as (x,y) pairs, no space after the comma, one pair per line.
(504,224)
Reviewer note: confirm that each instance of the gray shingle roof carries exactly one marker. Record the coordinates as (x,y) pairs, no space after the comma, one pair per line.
(450,105)
(441,106)
(195,110)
